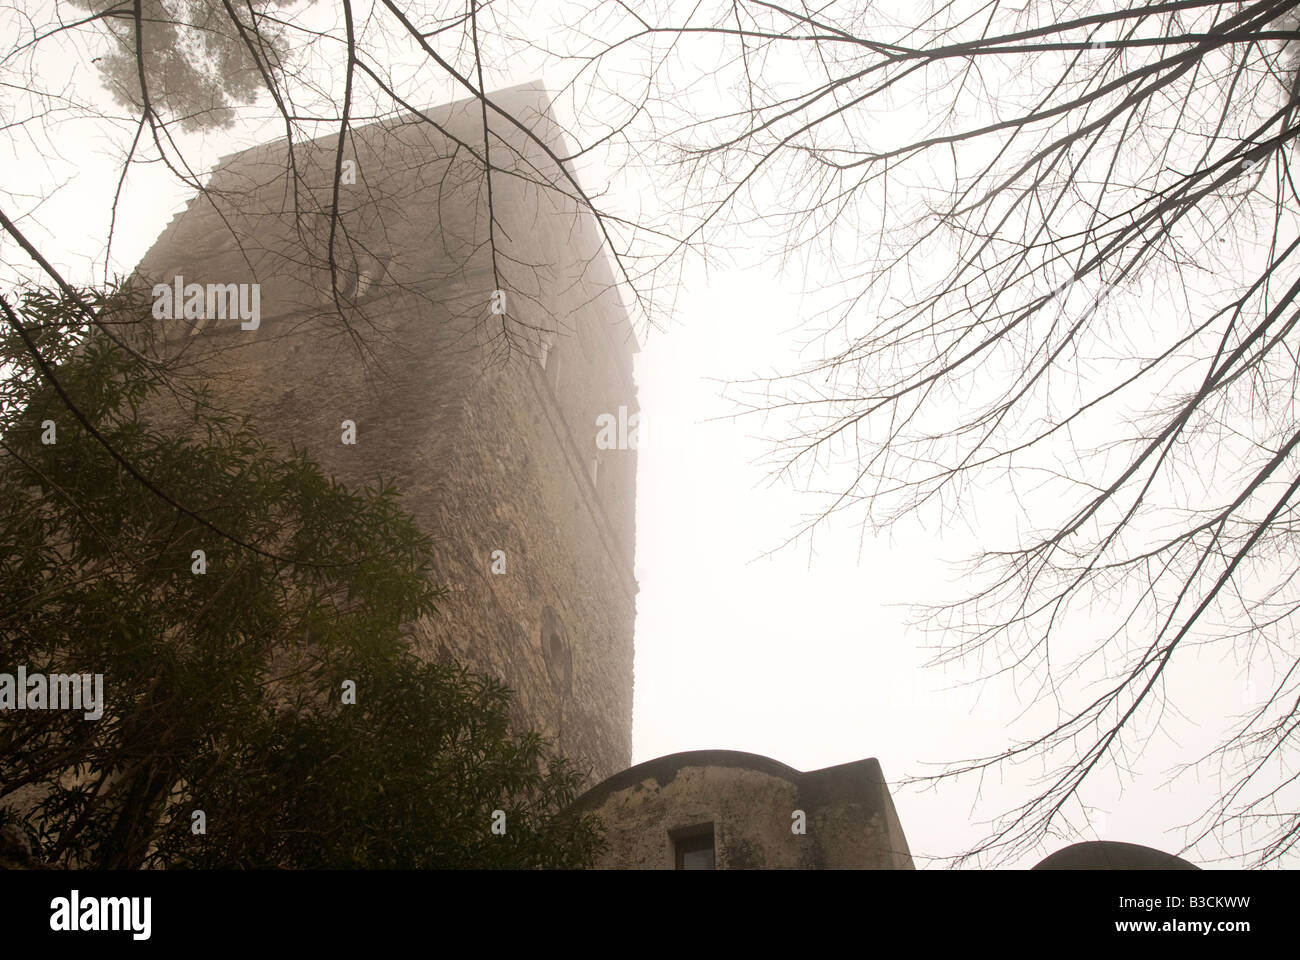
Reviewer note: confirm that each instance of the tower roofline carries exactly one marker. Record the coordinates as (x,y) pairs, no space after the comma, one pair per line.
(462,119)
(541,99)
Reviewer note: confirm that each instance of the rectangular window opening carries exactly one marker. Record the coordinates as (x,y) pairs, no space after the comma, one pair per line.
(693,848)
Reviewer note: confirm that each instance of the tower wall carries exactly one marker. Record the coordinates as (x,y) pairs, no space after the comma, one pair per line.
(486,423)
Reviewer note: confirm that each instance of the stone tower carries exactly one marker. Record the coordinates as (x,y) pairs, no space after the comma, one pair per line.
(486,421)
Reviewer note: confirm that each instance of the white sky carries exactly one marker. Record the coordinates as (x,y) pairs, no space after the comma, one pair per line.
(803,656)
(806,656)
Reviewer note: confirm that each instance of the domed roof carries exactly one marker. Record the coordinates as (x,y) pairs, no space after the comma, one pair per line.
(1112,855)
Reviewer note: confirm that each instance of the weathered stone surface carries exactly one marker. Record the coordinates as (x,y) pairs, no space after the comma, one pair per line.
(749,800)
(15,848)
(487,424)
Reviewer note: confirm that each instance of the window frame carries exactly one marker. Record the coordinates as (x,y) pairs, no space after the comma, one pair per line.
(700,836)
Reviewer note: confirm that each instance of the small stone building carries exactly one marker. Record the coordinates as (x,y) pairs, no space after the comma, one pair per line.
(727,810)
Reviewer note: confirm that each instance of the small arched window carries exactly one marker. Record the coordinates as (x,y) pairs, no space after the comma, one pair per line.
(556,651)
(356,274)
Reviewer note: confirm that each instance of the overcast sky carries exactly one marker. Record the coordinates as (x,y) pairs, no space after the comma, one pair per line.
(803,655)
(806,656)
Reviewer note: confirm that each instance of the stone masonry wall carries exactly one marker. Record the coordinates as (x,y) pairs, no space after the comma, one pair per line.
(748,801)
(486,423)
